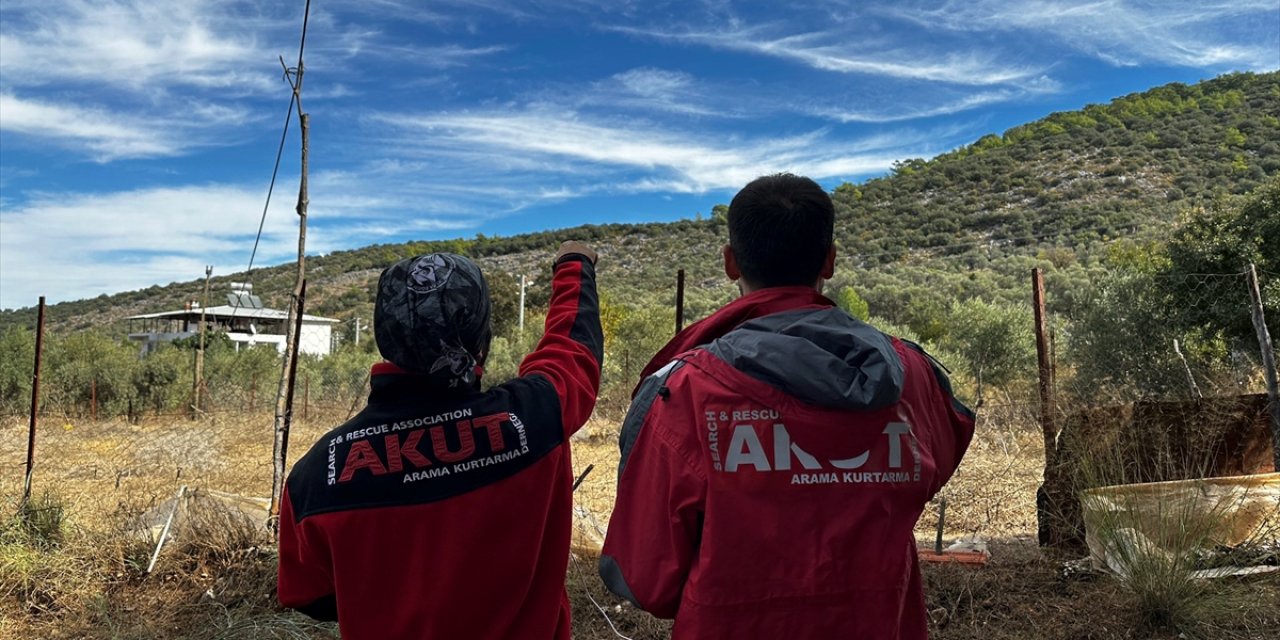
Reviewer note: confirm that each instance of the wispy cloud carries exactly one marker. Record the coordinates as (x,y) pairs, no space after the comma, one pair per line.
(645,89)
(109,135)
(924,108)
(1191,33)
(565,145)
(135,238)
(442,57)
(838,51)
(137,44)
(128,239)
(123,79)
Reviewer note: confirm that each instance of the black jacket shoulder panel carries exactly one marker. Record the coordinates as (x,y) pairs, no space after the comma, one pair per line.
(403,449)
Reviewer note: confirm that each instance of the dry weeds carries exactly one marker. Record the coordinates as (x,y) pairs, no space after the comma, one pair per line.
(217,580)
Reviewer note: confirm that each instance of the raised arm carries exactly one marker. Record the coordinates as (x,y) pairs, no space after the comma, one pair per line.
(571,351)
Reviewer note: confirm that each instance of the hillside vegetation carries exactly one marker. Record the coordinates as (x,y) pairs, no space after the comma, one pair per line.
(1066,182)
(1127,189)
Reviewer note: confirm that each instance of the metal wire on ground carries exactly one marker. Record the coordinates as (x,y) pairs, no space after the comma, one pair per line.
(606,616)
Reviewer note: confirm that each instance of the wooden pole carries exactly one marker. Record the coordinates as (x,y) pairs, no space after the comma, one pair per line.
(1043,358)
(1268,362)
(679,301)
(283,435)
(197,383)
(35,405)
(284,396)
(1049,496)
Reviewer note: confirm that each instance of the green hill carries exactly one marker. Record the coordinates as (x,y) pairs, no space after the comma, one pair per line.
(965,224)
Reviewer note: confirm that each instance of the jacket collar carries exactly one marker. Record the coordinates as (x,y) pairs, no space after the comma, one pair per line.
(390,383)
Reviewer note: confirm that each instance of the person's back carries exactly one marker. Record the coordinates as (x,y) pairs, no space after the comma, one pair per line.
(440,511)
(773,471)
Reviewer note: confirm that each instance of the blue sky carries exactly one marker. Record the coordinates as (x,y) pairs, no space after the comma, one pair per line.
(137,136)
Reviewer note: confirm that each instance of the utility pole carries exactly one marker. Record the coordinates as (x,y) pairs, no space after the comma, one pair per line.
(357,321)
(197,385)
(522,285)
(288,372)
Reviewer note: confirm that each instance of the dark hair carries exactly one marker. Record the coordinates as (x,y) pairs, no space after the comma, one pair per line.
(780,229)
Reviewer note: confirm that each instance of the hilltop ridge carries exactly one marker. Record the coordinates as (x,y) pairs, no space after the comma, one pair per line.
(966,222)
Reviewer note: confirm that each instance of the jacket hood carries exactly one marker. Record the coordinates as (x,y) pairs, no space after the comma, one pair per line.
(824,357)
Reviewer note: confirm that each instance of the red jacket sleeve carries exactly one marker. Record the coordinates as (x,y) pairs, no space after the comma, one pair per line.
(657,518)
(306,574)
(571,351)
(953,422)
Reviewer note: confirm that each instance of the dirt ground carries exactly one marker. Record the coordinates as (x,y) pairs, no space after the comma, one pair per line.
(87,580)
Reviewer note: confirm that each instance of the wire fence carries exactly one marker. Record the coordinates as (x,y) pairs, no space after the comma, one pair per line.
(118,435)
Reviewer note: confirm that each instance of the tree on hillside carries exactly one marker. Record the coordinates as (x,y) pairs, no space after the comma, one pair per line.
(853,304)
(1223,240)
(995,341)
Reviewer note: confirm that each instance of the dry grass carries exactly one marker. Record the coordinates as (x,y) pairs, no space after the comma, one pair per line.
(79,574)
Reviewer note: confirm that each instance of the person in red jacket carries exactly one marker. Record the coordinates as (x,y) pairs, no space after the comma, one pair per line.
(777,454)
(440,510)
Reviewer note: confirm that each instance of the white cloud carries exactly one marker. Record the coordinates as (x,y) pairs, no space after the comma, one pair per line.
(1191,33)
(923,109)
(647,89)
(69,246)
(583,153)
(109,135)
(121,79)
(73,246)
(649,82)
(440,57)
(137,44)
(842,52)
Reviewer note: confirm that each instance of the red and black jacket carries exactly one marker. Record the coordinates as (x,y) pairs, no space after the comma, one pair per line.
(770,482)
(438,515)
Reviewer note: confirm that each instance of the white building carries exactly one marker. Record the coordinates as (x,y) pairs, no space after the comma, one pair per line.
(243,319)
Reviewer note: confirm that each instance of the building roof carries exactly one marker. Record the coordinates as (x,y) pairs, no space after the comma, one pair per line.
(228,311)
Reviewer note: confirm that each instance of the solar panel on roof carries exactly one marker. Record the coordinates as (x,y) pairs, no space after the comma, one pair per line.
(244,299)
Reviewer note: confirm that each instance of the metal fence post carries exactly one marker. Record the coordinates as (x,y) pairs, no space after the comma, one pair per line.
(35,405)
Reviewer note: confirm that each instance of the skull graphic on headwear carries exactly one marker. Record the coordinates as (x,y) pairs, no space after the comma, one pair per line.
(430,273)
(456,361)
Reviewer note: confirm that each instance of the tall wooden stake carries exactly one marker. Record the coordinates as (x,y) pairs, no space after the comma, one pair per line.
(283,434)
(1043,357)
(284,396)
(1268,362)
(197,384)
(35,405)
(679,300)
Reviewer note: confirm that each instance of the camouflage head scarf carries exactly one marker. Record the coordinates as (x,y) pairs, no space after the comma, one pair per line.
(432,317)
